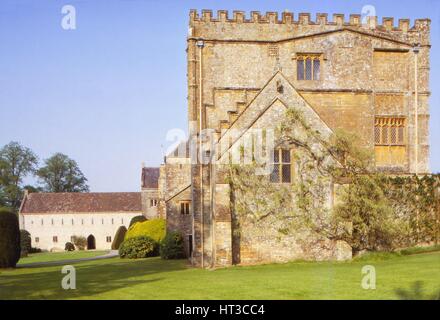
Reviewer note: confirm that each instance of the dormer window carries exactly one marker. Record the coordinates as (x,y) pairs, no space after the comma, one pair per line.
(308,66)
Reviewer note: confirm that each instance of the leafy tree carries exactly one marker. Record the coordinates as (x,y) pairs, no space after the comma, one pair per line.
(62,174)
(366,216)
(80,242)
(32,189)
(25,243)
(16,162)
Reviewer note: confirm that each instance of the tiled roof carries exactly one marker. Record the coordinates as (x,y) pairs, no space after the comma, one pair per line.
(150,178)
(82,202)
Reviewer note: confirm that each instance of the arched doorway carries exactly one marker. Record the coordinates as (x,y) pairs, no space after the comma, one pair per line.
(91,243)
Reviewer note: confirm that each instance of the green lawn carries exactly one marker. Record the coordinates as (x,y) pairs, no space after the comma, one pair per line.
(59,256)
(158,279)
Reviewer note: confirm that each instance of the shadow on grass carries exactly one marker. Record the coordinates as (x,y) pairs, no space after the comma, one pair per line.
(92,278)
(416,292)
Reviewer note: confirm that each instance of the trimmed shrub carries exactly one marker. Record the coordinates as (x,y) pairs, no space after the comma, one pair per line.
(79,242)
(25,243)
(35,250)
(9,239)
(119,237)
(138,247)
(171,246)
(137,219)
(69,246)
(155,229)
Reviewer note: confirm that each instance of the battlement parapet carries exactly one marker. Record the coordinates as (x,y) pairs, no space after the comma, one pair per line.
(355,20)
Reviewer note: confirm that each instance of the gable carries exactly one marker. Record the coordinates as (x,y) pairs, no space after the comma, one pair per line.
(266,111)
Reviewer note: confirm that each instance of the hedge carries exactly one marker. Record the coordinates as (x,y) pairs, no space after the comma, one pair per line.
(119,237)
(171,246)
(155,229)
(69,246)
(138,247)
(137,219)
(9,239)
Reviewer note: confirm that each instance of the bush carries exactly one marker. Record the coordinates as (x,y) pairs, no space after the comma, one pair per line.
(119,237)
(35,250)
(9,239)
(25,243)
(69,246)
(138,247)
(171,246)
(155,229)
(137,219)
(79,242)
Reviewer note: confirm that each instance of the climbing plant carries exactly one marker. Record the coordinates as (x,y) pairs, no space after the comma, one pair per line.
(368,211)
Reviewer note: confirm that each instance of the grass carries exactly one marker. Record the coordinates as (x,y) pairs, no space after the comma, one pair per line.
(59,256)
(416,250)
(154,278)
(378,256)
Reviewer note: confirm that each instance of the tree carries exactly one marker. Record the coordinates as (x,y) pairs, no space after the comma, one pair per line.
(9,239)
(16,162)
(62,174)
(25,243)
(80,242)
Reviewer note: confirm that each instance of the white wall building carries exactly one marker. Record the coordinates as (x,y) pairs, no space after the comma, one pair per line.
(53,219)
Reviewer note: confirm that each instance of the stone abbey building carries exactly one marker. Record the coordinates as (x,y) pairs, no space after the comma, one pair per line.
(360,75)
(366,77)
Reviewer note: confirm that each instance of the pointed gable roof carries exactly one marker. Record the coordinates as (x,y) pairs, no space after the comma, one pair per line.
(279,94)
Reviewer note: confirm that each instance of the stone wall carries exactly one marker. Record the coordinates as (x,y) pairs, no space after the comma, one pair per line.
(150,203)
(367,70)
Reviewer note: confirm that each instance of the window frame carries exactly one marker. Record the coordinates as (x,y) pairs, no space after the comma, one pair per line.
(303,58)
(282,164)
(383,126)
(185,207)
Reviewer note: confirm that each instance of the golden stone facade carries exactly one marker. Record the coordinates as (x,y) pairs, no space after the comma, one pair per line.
(361,76)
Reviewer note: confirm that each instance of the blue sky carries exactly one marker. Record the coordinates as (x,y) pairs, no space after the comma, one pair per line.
(107,93)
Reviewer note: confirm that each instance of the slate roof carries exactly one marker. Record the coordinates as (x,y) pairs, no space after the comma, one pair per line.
(82,202)
(150,178)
